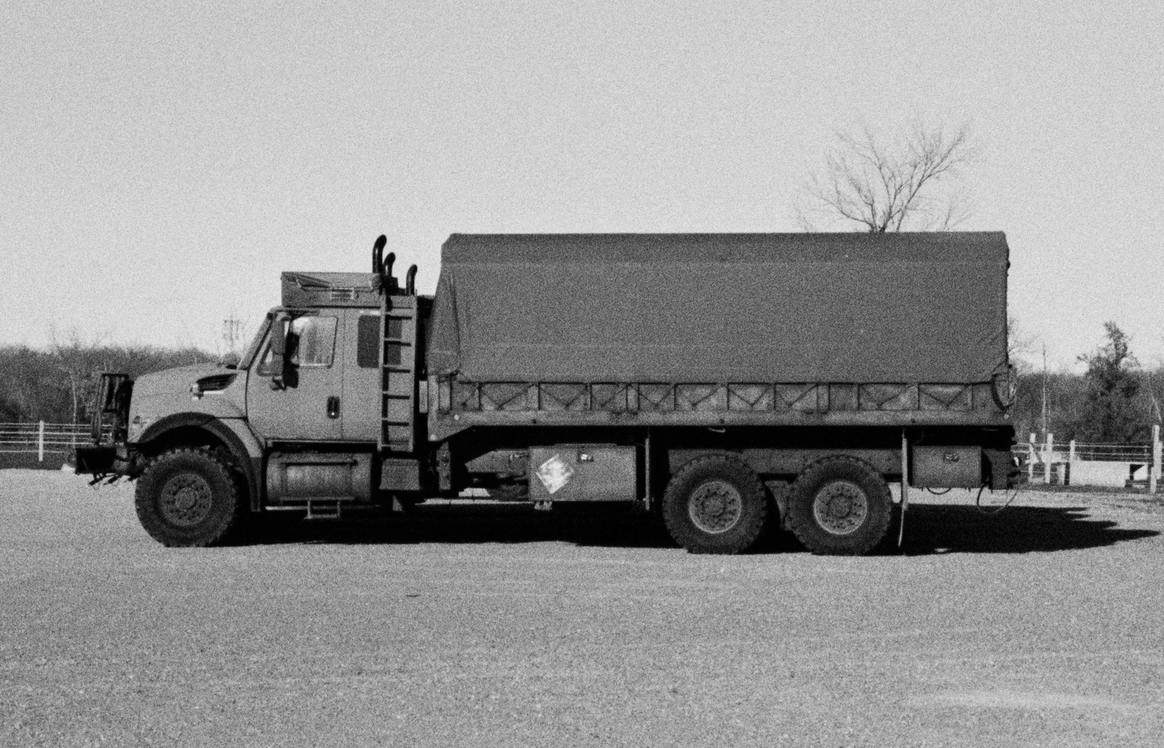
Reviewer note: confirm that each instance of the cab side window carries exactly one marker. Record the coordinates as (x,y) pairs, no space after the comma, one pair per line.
(310,343)
(368,341)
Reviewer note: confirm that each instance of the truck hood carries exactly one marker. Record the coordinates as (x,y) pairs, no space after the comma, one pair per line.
(167,393)
(168,378)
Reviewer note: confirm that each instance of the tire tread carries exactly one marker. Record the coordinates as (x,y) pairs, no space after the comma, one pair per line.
(148,488)
(800,517)
(684,533)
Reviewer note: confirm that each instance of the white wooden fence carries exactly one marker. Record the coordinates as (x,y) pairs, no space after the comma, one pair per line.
(42,438)
(1076,463)
(1084,464)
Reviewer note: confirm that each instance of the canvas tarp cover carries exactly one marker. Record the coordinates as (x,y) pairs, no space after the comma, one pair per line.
(721,308)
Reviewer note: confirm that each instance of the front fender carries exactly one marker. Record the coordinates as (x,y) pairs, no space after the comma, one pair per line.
(233,433)
(162,426)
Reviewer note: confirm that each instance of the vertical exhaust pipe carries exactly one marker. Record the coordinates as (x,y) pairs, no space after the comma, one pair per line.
(410,282)
(378,255)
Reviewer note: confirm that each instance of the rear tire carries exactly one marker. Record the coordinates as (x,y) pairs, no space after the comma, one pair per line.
(189,498)
(715,504)
(840,506)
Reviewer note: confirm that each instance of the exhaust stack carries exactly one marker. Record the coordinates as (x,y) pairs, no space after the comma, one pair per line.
(378,255)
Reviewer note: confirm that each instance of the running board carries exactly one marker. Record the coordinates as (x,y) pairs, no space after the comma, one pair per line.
(324,510)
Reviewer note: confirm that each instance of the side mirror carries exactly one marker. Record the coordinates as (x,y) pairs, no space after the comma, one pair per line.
(279,331)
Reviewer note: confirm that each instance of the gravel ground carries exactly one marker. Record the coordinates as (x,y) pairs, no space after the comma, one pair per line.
(495,625)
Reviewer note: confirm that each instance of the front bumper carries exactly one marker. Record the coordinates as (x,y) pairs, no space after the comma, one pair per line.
(95,460)
(103,460)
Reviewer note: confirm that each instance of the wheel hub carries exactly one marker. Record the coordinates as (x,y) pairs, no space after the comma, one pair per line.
(186,499)
(715,506)
(840,507)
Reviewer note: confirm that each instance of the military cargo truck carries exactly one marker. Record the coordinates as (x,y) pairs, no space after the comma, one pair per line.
(722,382)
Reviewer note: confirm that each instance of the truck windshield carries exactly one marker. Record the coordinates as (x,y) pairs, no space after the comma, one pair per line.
(256,341)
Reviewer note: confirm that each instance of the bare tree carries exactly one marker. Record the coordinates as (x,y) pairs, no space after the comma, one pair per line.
(890,186)
(75,359)
(1157,414)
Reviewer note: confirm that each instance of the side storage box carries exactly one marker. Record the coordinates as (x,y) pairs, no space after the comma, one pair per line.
(946,467)
(582,472)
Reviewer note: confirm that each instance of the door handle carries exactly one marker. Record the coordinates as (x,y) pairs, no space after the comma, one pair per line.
(333,407)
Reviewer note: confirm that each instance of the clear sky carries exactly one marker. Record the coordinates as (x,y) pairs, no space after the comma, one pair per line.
(162,162)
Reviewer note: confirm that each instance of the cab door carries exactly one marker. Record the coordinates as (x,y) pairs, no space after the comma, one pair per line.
(308,405)
(361,398)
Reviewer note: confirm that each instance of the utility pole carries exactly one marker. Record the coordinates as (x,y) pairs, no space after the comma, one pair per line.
(1044,392)
(1155,402)
(231,333)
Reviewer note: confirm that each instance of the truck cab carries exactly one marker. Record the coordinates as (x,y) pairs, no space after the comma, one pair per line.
(298,423)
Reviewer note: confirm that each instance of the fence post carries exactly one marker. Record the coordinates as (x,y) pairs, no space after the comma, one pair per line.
(1154,471)
(1049,448)
(40,443)
(1031,459)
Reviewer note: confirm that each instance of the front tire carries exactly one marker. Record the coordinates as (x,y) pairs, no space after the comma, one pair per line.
(188,498)
(840,506)
(715,504)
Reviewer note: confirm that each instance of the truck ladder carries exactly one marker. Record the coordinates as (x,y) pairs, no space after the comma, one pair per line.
(398,387)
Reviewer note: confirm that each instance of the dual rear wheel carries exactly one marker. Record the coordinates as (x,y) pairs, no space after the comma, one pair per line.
(716,504)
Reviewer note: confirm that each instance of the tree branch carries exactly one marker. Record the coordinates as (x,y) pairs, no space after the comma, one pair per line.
(888,187)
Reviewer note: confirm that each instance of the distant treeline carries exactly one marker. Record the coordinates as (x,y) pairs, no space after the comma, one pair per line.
(1076,411)
(58,384)
(1115,400)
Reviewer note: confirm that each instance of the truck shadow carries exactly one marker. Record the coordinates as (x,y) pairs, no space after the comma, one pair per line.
(477,523)
(930,529)
(964,529)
